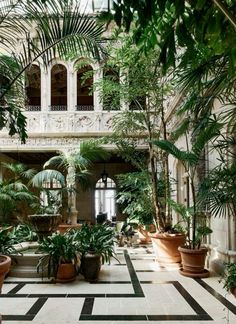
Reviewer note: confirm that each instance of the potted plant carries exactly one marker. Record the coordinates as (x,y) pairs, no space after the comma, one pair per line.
(61,260)
(229,278)
(193,254)
(6,249)
(96,245)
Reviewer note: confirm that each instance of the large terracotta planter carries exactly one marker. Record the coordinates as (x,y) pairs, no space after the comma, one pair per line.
(166,245)
(66,272)
(193,262)
(5,263)
(45,224)
(91,266)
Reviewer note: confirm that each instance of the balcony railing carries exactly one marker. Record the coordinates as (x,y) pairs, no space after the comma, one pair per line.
(84,107)
(32,108)
(58,108)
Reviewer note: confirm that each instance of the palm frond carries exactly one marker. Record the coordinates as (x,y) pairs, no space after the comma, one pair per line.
(92,151)
(205,135)
(47,176)
(183,156)
(59,161)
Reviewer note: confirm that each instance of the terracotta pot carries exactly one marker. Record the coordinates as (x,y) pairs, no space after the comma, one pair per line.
(144,235)
(233,291)
(91,266)
(66,272)
(45,224)
(193,262)
(62,228)
(5,263)
(166,247)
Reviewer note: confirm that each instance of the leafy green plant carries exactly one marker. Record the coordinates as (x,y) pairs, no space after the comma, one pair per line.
(7,242)
(60,248)
(23,233)
(229,276)
(98,239)
(14,190)
(135,197)
(190,160)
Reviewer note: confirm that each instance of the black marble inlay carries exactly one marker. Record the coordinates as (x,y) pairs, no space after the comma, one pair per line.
(17,288)
(218,296)
(190,300)
(179,318)
(29,316)
(37,306)
(88,306)
(17,317)
(13,295)
(127,318)
(86,295)
(133,276)
(47,295)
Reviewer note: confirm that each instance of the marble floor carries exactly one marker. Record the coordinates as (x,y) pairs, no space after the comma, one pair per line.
(137,290)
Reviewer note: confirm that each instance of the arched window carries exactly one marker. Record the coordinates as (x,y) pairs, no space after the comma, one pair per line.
(58,87)
(84,88)
(33,88)
(105,194)
(50,195)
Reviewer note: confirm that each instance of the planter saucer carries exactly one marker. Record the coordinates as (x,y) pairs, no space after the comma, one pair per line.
(204,274)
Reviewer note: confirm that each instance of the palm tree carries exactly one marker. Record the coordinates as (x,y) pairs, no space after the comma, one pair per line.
(45,29)
(14,191)
(74,167)
(190,160)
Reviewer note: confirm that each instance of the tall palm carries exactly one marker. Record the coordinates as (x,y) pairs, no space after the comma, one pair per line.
(73,168)
(190,160)
(45,29)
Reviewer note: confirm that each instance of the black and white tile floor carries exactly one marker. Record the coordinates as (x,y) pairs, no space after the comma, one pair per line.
(137,290)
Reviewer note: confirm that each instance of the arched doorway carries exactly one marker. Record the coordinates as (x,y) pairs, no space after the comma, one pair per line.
(105,194)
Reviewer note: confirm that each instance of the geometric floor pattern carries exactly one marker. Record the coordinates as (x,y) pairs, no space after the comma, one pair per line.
(137,290)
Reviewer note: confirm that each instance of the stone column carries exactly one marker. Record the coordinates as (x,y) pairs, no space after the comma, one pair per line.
(97,76)
(71,185)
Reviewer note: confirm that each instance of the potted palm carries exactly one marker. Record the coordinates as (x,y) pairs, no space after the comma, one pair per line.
(193,254)
(61,259)
(96,245)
